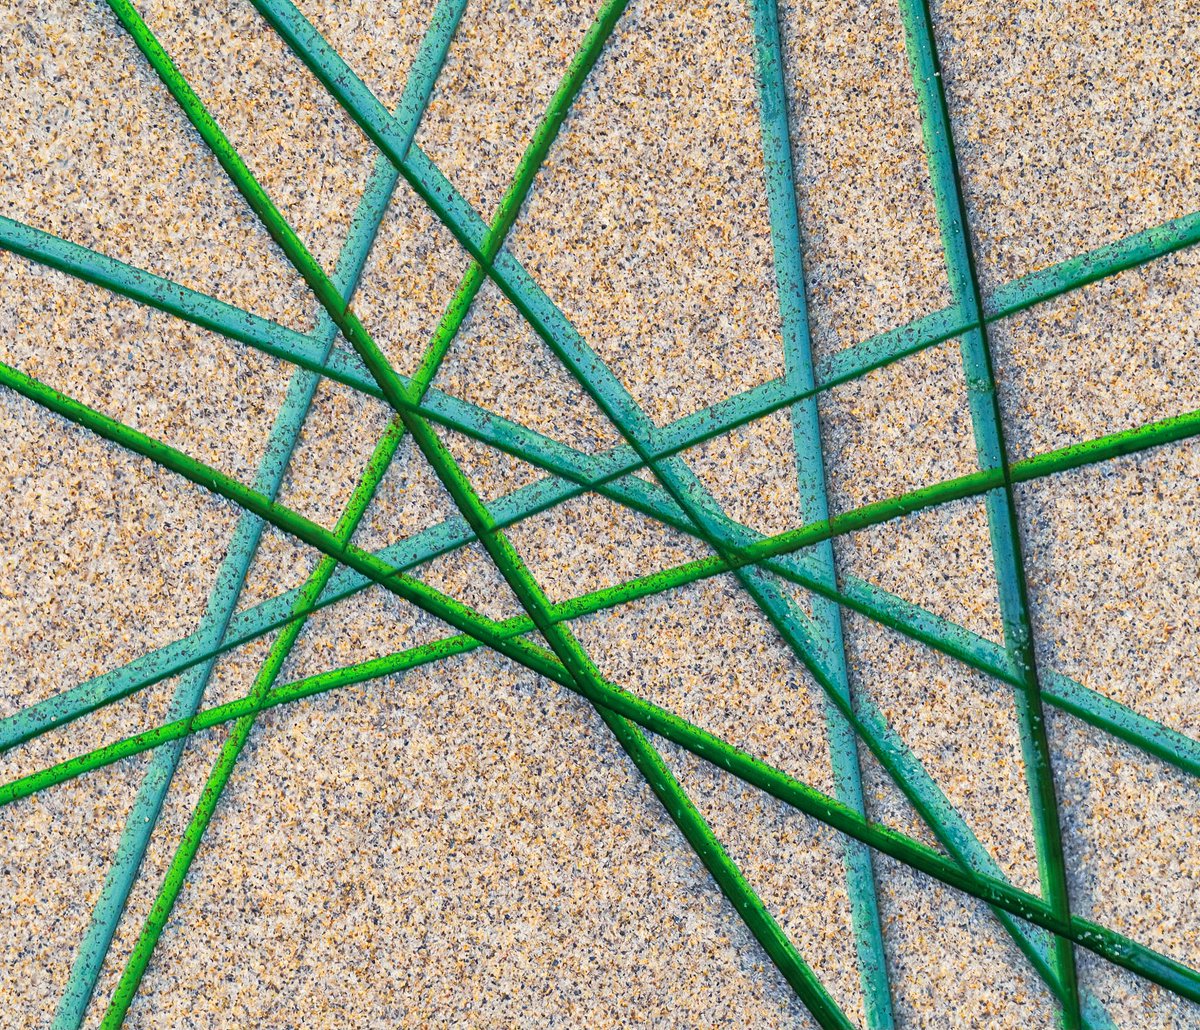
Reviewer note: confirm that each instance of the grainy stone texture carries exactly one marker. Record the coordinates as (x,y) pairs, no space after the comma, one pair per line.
(301,146)
(471,849)
(591,543)
(216,402)
(410,276)
(104,558)
(378,38)
(97,151)
(1076,122)
(896,429)
(506,61)
(1122,351)
(465,844)
(663,261)
(734,677)
(498,362)
(1114,588)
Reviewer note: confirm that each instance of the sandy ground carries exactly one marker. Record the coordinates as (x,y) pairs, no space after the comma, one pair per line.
(465,844)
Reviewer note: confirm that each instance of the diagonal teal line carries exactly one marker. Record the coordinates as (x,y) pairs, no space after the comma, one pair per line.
(222,603)
(810,474)
(579,670)
(950,639)
(283,15)
(494,430)
(231,577)
(608,393)
(986,420)
(598,382)
(722,417)
(200,309)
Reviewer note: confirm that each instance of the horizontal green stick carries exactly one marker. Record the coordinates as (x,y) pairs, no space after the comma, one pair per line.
(1140,960)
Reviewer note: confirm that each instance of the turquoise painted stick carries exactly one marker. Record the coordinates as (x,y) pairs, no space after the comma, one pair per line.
(992,453)
(810,481)
(503,555)
(143,816)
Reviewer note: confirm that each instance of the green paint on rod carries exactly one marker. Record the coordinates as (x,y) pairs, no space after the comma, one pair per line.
(675,499)
(469,504)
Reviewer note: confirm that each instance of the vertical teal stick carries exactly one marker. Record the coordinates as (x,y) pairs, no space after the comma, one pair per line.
(608,393)
(231,577)
(1098,939)
(810,473)
(143,816)
(991,452)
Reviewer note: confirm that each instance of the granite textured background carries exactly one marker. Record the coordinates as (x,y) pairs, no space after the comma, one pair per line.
(465,844)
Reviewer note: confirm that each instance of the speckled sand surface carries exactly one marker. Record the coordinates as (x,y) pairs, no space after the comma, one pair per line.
(465,844)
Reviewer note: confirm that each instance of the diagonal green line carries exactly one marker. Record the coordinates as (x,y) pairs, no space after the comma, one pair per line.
(143,817)
(588,370)
(596,380)
(1068,912)
(990,889)
(861,596)
(987,421)
(502,553)
(438,540)
(1133,956)
(1120,443)
(845,366)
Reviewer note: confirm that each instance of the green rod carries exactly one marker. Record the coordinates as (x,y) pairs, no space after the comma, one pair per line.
(375,569)
(177,657)
(503,554)
(992,890)
(456,614)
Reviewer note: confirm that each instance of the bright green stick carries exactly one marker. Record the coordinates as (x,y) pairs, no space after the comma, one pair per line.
(502,553)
